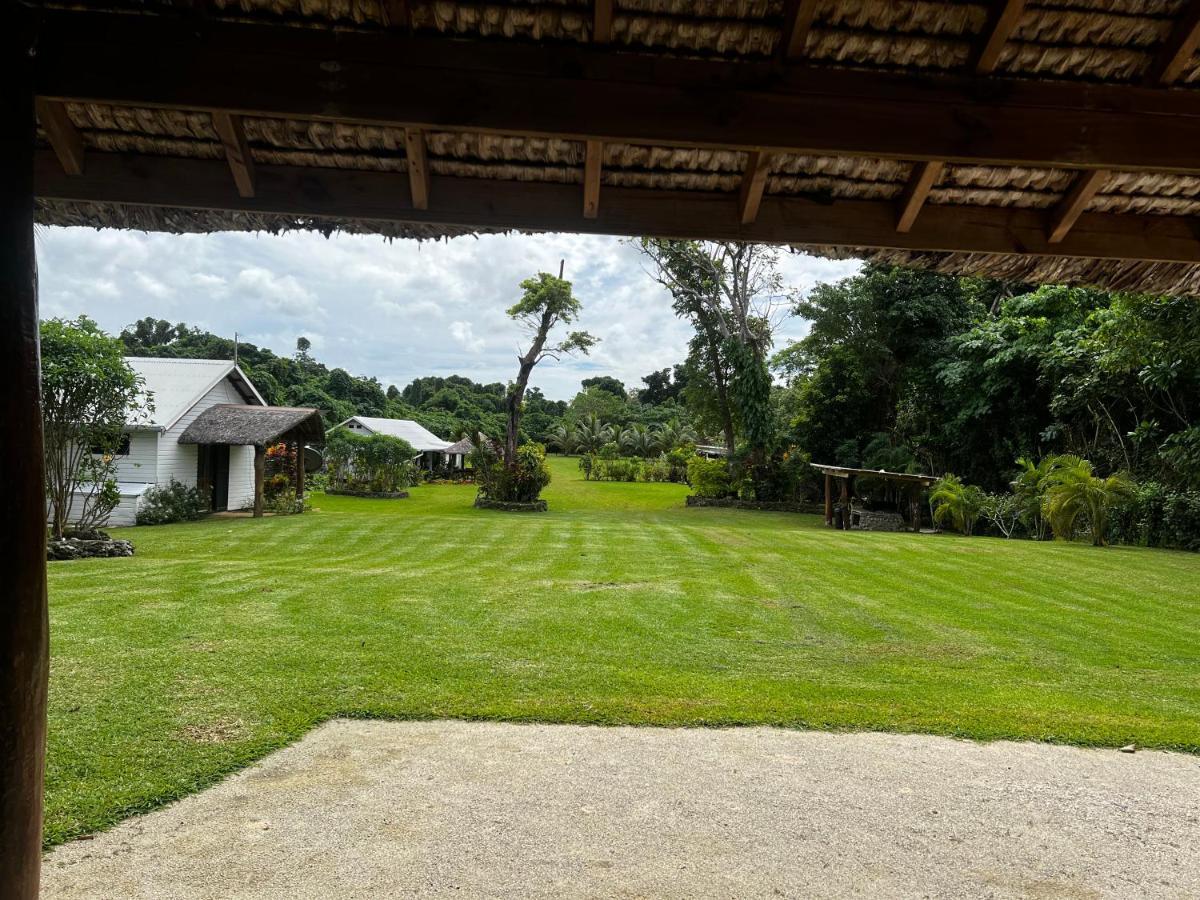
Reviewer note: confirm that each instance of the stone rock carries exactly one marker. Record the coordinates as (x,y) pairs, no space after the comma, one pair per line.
(86,548)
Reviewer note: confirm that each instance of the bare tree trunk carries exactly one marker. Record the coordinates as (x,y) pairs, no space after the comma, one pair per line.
(516,394)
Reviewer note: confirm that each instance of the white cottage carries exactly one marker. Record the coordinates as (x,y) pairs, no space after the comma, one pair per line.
(182,389)
(431,447)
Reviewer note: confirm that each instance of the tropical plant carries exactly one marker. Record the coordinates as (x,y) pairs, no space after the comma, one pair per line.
(673,434)
(708,477)
(564,438)
(639,440)
(1003,511)
(378,463)
(591,434)
(1077,493)
(520,482)
(955,502)
(89,396)
(1029,490)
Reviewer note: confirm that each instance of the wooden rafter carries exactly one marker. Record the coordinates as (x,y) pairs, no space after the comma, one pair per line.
(64,137)
(396,13)
(418,167)
(583,93)
(920,183)
(754,183)
(1001,23)
(1179,48)
(237,150)
(1067,213)
(602,16)
(474,203)
(797,23)
(592,164)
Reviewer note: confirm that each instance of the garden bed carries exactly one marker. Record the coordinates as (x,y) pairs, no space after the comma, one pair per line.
(765,505)
(535,506)
(371,495)
(91,544)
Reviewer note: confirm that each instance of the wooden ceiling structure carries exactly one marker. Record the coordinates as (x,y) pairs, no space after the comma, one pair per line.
(1047,141)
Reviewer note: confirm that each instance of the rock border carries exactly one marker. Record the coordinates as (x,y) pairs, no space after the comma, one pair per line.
(370,495)
(67,548)
(762,505)
(535,506)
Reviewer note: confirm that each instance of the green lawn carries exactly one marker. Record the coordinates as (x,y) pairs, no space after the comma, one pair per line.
(224,639)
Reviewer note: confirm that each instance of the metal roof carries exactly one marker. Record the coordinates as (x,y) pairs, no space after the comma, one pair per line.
(421,438)
(847,471)
(176,385)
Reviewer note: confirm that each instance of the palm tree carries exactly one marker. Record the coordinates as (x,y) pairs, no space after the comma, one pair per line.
(1030,489)
(639,440)
(564,438)
(591,433)
(957,502)
(1076,491)
(672,434)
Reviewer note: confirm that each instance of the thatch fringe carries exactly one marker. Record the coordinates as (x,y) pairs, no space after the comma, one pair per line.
(1117,275)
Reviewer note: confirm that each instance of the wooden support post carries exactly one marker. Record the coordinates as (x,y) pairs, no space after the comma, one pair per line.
(237,151)
(754,182)
(592,163)
(846,504)
(1067,213)
(418,167)
(260,467)
(920,183)
(23,620)
(64,137)
(828,499)
(299,470)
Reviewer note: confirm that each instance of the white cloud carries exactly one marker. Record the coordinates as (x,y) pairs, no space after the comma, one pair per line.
(397,310)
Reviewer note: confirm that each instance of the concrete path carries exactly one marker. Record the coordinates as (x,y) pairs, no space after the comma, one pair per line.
(378,809)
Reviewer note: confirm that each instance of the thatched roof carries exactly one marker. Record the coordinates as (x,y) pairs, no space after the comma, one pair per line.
(229,423)
(1093,42)
(463,446)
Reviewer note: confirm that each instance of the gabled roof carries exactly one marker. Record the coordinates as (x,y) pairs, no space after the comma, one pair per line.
(229,423)
(176,385)
(421,438)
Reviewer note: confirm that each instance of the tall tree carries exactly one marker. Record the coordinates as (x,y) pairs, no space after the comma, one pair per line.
(730,292)
(545,304)
(89,395)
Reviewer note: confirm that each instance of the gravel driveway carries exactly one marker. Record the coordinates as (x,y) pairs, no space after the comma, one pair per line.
(380,809)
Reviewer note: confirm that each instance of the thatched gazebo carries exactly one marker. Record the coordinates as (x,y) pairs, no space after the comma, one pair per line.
(1044,142)
(231,424)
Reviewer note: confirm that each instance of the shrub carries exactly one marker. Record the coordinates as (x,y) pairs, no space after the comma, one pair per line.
(957,503)
(286,503)
(1078,498)
(378,462)
(171,502)
(1003,511)
(1155,516)
(708,477)
(522,482)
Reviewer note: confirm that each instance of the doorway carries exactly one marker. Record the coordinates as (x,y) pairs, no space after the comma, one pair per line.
(212,475)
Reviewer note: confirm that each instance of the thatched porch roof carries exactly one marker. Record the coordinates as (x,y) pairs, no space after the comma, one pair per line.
(1048,141)
(229,423)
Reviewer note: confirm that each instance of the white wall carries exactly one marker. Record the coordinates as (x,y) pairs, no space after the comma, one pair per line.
(178,461)
(241,477)
(140,466)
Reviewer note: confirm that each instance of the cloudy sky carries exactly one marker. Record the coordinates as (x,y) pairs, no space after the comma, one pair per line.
(394,310)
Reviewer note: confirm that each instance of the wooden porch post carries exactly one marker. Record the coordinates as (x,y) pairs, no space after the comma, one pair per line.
(260,467)
(23,620)
(299,470)
(846,503)
(828,499)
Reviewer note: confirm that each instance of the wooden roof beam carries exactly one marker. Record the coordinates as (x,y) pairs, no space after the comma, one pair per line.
(924,176)
(237,150)
(592,164)
(587,93)
(1179,48)
(418,167)
(548,206)
(64,137)
(1001,23)
(754,183)
(602,17)
(797,23)
(1067,213)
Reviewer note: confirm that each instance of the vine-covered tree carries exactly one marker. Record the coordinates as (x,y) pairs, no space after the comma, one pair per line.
(546,303)
(89,395)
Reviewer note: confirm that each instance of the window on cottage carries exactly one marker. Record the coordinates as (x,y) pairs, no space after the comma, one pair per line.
(122,448)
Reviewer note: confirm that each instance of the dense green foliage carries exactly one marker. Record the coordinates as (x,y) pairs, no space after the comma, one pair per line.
(171,502)
(222,640)
(708,477)
(378,463)
(521,481)
(89,394)
(910,370)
